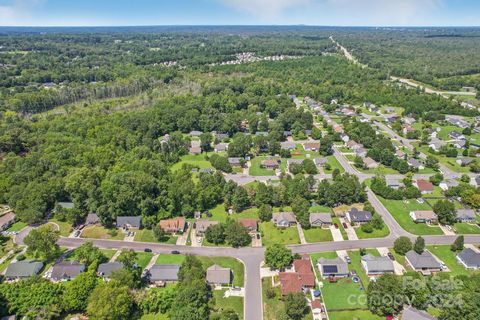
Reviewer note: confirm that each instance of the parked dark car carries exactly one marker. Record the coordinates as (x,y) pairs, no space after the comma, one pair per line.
(391,256)
(147,250)
(345,225)
(336,225)
(175,252)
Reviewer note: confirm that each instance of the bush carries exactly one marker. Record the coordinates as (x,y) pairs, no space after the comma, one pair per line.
(402,245)
(21,257)
(270,293)
(367,228)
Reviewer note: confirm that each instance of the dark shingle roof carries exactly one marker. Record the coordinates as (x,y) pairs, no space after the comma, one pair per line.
(23,269)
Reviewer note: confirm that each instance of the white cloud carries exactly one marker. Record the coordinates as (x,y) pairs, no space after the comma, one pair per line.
(17,12)
(266,9)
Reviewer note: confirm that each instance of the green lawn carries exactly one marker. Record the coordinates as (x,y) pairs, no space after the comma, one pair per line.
(143,258)
(65,227)
(170,259)
(99,232)
(375,234)
(272,235)
(399,258)
(356,314)
(357,266)
(466,228)
(17,226)
(400,211)
(219,214)
(318,235)
(108,253)
(334,164)
(147,235)
(194,160)
(155,316)
(340,226)
(449,258)
(437,193)
(274,309)
(344,294)
(319,208)
(234,303)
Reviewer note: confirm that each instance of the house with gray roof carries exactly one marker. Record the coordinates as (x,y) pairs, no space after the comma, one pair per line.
(469,258)
(426,263)
(6,220)
(394,183)
(320,219)
(320,162)
(336,268)
(235,161)
(377,265)
(92,218)
(23,269)
(218,275)
(361,152)
(288,145)
(466,215)
(160,274)
(221,147)
(359,217)
(105,269)
(129,222)
(447,184)
(410,313)
(412,162)
(284,219)
(202,225)
(66,270)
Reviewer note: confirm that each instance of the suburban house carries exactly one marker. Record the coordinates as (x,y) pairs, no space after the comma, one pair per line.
(447,184)
(129,222)
(394,183)
(466,215)
(344,137)
(469,258)
(235,162)
(317,309)
(195,150)
(250,224)
(456,135)
(221,147)
(284,219)
(23,269)
(288,145)
(410,313)
(289,283)
(300,280)
(412,162)
(370,163)
(195,133)
(320,219)
(459,144)
(436,145)
(161,274)
(375,266)
(361,152)
(174,225)
(351,144)
(105,270)
(465,161)
(409,120)
(92,219)
(320,162)
(66,270)
(220,136)
(358,217)
(201,226)
(400,154)
(218,275)
(270,164)
(333,268)
(311,146)
(424,186)
(287,133)
(426,263)
(7,220)
(424,216)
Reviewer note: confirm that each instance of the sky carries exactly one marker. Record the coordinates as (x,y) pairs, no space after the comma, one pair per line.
(240,12)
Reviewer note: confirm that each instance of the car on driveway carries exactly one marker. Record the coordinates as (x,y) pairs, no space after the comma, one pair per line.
(391,256)
(336,225)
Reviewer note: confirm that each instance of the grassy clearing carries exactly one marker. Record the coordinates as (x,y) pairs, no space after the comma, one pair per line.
(256,167)
(170,259)
(17,226)
(319,208)
(146,235)
(400,211)
(108,253)
(198,161)
(449,258)
(375,234)
(65,227)
(318,235)
(357,314)
(466,228)
(143,258)
(220,214)
(99,232)
(271,234)
(234,303)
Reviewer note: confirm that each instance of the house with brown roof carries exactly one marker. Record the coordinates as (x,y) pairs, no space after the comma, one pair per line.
(174,225)
(311,146)
(7,220)
(250,224)
(424,186)
(270,164)
(370,163)
(289,283)
(303,267)
(201,226)
(424,216)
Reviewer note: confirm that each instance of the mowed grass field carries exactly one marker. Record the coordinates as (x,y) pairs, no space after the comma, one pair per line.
(271,234)
(400,211)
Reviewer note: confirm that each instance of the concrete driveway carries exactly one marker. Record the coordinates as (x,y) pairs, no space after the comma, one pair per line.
(399,269)
(336,234)
(351,234)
